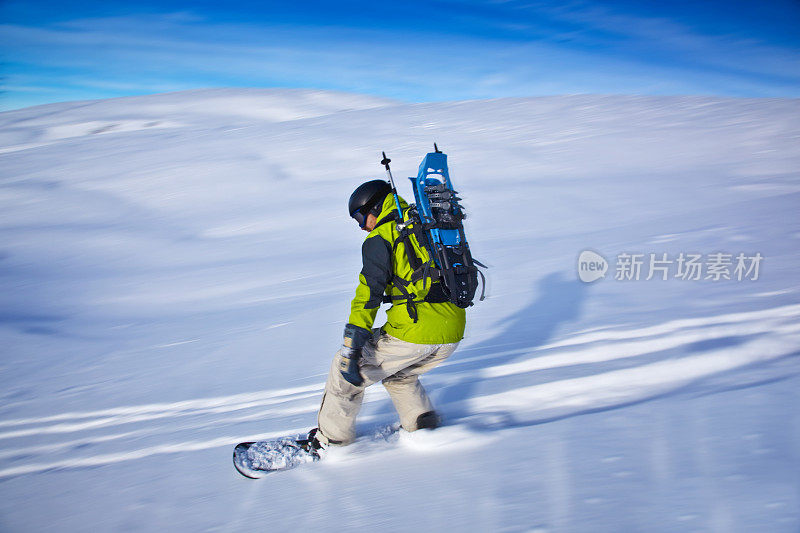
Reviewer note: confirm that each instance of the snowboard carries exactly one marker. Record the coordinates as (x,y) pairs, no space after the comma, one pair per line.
(258,459)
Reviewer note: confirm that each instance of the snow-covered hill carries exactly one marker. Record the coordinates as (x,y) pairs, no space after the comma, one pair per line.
(176,272)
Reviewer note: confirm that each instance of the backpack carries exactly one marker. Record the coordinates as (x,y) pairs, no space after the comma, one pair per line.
(436,222)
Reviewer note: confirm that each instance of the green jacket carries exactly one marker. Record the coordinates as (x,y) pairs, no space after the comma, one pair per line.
(437,323)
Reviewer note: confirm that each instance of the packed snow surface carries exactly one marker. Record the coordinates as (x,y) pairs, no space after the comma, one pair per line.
(177,269)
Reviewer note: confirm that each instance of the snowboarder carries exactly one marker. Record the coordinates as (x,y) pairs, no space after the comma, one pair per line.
(423,328)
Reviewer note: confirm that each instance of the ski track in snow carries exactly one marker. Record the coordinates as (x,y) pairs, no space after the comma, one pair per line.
(776,331)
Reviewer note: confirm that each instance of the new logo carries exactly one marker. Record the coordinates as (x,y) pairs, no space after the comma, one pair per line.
(591,266)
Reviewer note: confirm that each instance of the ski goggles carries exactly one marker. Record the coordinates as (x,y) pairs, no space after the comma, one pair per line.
(360,218)
(373,206)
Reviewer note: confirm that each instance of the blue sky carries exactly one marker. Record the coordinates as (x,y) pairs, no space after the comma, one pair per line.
(412,50)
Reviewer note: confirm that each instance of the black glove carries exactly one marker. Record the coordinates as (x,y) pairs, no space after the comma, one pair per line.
(354,340)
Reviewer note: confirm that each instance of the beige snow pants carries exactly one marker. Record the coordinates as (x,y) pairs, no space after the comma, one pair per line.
(395,363)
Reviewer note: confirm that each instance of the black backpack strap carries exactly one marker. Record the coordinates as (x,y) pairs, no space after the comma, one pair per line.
(411,304)
(483,285)
(388,218)
(405,238)
(422,270)
(425,272)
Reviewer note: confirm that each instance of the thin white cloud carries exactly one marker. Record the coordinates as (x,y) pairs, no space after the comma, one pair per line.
(154,53)
(679,41)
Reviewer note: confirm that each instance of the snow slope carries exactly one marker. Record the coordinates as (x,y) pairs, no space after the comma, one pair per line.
(176,271)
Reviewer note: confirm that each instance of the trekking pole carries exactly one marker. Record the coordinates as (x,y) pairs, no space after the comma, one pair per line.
(385,162)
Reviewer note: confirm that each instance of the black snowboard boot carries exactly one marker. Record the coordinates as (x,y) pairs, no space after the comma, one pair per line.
(429,420)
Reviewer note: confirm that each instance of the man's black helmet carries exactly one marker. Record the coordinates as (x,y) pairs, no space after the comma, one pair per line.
(366,197)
